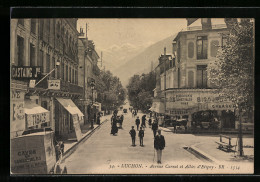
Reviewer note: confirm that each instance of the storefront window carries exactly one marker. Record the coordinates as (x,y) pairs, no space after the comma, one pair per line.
(20,50)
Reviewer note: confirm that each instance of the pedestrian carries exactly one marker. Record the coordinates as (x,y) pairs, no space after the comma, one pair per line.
(137,122)
(150,121)
(133,114)
(141,136)
(114,128)
(121,121)
(132,134)
(159,144)
(98,118)
(62,147)
(154,127)
(143,121)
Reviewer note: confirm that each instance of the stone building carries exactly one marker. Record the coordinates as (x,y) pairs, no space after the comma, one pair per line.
(45,50)
(189,94)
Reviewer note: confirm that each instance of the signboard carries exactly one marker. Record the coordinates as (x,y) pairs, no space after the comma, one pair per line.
(37,119)
(54,84)
(77,126)
(32,83)
(17,125)
(33,154)
(202,99)
(26,72)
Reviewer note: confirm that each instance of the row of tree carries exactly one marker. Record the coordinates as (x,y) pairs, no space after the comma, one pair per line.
(140,91)
(110,91)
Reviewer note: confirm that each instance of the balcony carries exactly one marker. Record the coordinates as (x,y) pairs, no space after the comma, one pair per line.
(64,87)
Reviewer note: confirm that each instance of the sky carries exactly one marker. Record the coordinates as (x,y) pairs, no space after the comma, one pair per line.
(107,33)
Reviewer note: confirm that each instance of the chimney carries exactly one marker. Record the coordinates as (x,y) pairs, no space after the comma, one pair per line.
(206,23)
(81,33)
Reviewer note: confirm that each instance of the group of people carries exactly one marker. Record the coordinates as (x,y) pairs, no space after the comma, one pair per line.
(114,121)
(159,141)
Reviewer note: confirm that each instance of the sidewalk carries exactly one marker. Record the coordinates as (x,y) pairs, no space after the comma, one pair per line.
(86,131)
(209,148)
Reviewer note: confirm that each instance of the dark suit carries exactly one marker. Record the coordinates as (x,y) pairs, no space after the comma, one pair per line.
(154,128)
(141,136)
(133,134)
(137,122)
(159,144)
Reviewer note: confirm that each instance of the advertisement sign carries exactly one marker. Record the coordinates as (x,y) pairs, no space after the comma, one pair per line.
(203,100)
(37,119)
(76,126)
(54,84)
(26,72)
(17,125)
(32,83)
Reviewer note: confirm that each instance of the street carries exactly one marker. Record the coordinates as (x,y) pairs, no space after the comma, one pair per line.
(103,150)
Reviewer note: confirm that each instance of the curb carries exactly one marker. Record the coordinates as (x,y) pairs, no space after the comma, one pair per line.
(202,154)
(74,147)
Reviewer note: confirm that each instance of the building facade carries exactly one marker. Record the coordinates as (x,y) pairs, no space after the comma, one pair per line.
(189,94)
(44,57)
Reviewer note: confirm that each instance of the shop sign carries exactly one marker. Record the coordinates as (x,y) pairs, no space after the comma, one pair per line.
(37,119)
(178,111)
(17,111)
(26,72)
(221,106)
(54,84)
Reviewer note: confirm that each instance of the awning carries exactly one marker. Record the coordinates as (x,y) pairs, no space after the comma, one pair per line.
(69,105)
(32,108)
(157,107)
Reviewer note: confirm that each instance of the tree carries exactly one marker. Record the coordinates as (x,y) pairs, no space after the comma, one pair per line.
(140,91)
(233,70)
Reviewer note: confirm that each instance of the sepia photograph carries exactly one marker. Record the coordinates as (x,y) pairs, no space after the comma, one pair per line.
(132,96)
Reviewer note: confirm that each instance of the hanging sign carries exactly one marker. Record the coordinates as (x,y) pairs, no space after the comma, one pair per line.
(54,84)
(32,83)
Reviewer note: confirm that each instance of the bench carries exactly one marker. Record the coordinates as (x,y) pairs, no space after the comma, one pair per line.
(225,146)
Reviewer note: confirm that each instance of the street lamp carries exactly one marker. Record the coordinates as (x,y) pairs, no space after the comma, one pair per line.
(92,86)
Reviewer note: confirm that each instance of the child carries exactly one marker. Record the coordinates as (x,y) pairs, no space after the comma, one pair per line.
(132,134)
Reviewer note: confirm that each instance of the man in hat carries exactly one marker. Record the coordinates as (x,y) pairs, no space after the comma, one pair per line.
(141,136)
(159,144)
(132,134)
(154,127)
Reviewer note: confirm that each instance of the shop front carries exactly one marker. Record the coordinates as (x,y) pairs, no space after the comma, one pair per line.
(68,119)
(202,108)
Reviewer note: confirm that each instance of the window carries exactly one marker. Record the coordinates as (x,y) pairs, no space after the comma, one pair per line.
(20,50)
(76,72)
(41,28)
(202,76)
(32,55)
(190,79)
(224,40)
(33,26)
(179,77)
(48,62)
(41,58)
(67,73)
(190,49)
(202,47)
(214,48)
(62,71)
(58,71)
(21,22)
(53,66)
(48,24)
(179,51)
(44,104)
(70,74)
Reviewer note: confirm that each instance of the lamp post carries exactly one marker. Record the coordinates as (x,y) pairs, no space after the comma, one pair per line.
(92,86)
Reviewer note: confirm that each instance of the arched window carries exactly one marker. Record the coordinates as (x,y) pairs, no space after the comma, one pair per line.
(190,79)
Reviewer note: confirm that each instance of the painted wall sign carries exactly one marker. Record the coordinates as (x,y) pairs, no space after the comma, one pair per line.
(37,119)
(17,124)
(54,84)
(26,72)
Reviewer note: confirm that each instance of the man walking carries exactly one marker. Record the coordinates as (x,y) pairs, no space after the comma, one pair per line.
(143,121)
(141,136)
(132,134)
(159,144)
(137,122)
(154,127)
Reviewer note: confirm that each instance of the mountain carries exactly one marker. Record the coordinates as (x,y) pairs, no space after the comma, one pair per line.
(115,56)
(141,63)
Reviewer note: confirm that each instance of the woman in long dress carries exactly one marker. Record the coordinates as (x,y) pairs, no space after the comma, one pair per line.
(114,128)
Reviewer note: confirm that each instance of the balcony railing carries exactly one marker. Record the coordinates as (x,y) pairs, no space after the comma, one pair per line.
(64,87)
